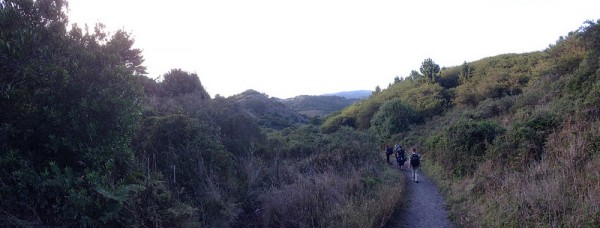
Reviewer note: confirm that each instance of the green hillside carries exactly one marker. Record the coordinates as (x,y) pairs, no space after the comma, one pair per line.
(88,140)
(319,106)
(268,112)
(512,139)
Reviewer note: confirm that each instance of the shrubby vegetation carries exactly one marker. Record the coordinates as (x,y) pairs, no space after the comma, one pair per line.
(393,117)
(66,121)
(268,112)
(318,106)
(86,139)
(533,174)
(462,146)
(512,139)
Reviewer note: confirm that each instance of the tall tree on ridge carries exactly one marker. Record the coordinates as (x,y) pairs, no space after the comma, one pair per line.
(430,69)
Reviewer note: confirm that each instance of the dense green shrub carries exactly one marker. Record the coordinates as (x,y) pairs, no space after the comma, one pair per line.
(239,132)
(351,147)
(463,145)
(525,141)
(492,107)
(336,121)
(450,77)
(302,142)
(393,117)
(427,99)
(183,149)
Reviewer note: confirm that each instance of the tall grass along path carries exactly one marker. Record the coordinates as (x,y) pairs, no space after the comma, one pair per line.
(424,206)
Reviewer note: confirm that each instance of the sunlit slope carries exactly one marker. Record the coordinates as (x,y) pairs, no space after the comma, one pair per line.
(513,138)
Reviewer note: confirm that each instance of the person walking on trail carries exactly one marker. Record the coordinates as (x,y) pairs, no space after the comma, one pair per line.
(400,156)
(415,163)
(388,151)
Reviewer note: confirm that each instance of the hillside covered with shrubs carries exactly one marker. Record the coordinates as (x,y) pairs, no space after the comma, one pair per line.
(318,106)
(87,139)
(512,139)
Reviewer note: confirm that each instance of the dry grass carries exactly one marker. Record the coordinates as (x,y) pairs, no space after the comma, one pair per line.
(561,190)
(374,210)
(331,200)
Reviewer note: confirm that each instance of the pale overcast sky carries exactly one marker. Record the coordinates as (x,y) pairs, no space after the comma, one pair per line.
(311,47)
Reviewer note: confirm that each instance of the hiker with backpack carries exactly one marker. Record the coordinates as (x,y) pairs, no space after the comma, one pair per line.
(388,151)
(400,156)
(415,163)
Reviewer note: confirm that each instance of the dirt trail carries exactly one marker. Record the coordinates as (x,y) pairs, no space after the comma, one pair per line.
(424,205)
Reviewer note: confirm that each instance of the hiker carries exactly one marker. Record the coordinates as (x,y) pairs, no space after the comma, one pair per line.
(400,156)
(415,162)
(388,151)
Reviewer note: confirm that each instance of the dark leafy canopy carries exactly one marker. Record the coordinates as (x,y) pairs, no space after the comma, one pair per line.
(430,69)
(178,82)
(69,107)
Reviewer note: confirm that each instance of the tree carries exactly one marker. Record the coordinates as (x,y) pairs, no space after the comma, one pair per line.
(414,75)
(70,103)
(430,69)
(465,72)
(377,90)
(591,35)
(397,80)
(177,82)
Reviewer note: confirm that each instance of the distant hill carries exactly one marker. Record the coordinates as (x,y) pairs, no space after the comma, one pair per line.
(278,113)
(318,105)
(357,94)
(269,112)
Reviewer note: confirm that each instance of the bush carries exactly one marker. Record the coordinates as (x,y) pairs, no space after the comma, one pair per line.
(463,145)
(490,108)
(393,117)
(337,121)
(525,141)
(183,149)
(427,99)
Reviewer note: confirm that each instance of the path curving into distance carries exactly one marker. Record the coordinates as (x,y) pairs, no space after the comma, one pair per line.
(424,206)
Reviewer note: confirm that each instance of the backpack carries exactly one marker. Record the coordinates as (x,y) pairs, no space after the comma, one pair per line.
(401,159)
(415,160)
(389,151)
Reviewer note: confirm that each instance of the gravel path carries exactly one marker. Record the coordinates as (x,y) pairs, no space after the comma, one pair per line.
(424,205)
